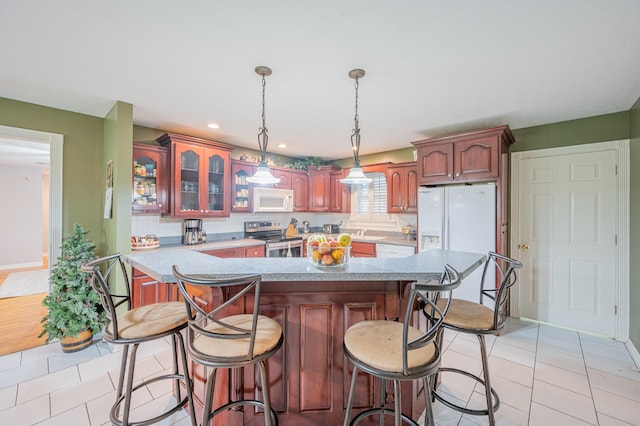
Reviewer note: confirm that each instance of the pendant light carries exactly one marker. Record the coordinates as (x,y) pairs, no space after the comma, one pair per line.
(263,174)
(356,176)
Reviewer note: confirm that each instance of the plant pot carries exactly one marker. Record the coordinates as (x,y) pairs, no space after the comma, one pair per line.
(74,344)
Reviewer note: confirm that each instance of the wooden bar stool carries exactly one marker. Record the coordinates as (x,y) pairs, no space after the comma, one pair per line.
(130,328)
(220,337)
(468,317)
(397,351)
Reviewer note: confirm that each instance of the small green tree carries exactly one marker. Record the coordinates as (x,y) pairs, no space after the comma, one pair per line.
(73,304)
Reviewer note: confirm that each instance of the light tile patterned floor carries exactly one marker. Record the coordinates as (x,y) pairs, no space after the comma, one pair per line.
(544,376)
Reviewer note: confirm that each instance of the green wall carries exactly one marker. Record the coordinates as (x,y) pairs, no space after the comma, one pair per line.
(82,185)
(601,128)
(634,214)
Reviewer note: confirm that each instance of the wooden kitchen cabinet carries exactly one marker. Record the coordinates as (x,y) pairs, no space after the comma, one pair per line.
(300,187)
(298,182)
(402,189)
(200,176)
(464,157)
(149,179)
(321,183)
(145,290)
(243,251)
(285,178)
(361,249)
(339,193)
(241,197)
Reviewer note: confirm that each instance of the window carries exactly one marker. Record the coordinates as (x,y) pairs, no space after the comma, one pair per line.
(369,202)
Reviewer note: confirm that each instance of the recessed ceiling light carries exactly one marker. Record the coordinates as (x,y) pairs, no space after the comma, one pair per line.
(282,145)
(213,126)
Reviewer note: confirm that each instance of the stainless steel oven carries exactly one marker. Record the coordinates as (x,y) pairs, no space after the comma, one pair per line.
(272,233)
(287,248)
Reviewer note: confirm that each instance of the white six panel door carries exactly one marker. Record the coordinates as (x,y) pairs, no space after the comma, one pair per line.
(567,238)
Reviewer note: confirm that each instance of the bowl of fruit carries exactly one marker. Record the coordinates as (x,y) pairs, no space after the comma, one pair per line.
(324,252)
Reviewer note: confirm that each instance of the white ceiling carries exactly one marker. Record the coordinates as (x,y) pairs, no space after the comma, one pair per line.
(432,66)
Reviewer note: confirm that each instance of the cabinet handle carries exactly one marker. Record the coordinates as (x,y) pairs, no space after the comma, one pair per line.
(457,174)
(449,175)
(391,318)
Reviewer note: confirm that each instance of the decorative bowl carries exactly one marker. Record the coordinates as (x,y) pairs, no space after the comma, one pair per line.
(326,256)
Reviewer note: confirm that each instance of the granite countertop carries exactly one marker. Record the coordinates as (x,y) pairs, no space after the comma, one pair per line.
(419,267)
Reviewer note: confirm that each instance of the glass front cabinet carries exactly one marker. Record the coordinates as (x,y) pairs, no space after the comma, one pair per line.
(149,179)
(200,171)
(240,188)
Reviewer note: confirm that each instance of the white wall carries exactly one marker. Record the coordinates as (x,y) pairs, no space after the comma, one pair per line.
(20,216)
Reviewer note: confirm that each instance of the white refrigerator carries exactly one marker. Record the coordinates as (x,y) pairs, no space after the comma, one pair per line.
(461,218)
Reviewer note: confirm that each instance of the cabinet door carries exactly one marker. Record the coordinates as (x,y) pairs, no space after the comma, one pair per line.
(402,191)
(241,189)
(477,159)
(300,186)
(230,252)
(254,251)
(201,184)
(186,185)
(360,249)
(146,290)
(319,191)
(149,179)
(436,163)
(285,178)
(339,194)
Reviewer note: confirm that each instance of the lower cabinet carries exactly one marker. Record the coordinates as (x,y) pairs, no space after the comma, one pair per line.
(247,251)
(360,249)
(146,290)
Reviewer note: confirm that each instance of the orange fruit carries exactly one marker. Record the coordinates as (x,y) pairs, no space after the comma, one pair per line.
(324,247)
(316,256)
(338,256)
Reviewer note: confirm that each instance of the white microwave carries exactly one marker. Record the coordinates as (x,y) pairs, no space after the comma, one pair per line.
(272,200)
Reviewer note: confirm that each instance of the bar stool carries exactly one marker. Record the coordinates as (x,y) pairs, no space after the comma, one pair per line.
(219,340)
(397,351)
(468,317)
(130,328)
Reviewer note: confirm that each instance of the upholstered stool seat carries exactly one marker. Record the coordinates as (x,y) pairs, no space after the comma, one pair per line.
(469,317)
(397,351)
(131,327)
(149,320)
(379,345)
(217,340)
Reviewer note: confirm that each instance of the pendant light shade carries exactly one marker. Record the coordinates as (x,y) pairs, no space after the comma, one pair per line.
(263,174)
(356,176)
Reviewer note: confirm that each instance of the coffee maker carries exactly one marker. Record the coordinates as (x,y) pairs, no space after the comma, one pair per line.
(193,233)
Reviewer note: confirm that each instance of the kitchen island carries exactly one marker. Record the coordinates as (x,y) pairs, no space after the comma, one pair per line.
(309,376)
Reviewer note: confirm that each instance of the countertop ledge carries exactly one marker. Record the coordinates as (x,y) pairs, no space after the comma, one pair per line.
(419,267)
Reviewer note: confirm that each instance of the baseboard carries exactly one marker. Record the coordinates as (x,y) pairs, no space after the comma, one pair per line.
(22,265)
(635,355)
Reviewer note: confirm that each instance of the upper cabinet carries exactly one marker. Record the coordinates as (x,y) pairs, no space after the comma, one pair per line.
(241,189)
(339,193)
(300,187)
(325,195)
(402,189)
(149,179)
(464,157)
(200,176)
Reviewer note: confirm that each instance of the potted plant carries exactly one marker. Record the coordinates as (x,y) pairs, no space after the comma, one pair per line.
(74,307)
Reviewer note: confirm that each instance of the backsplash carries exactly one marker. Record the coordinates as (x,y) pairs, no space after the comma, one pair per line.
(170,230)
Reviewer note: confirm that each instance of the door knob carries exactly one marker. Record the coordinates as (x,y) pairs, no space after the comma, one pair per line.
(524,246)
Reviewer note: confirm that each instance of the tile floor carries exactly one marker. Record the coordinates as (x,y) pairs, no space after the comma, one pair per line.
(544,376)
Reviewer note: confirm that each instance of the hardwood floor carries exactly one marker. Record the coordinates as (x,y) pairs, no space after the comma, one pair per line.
(20,318)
